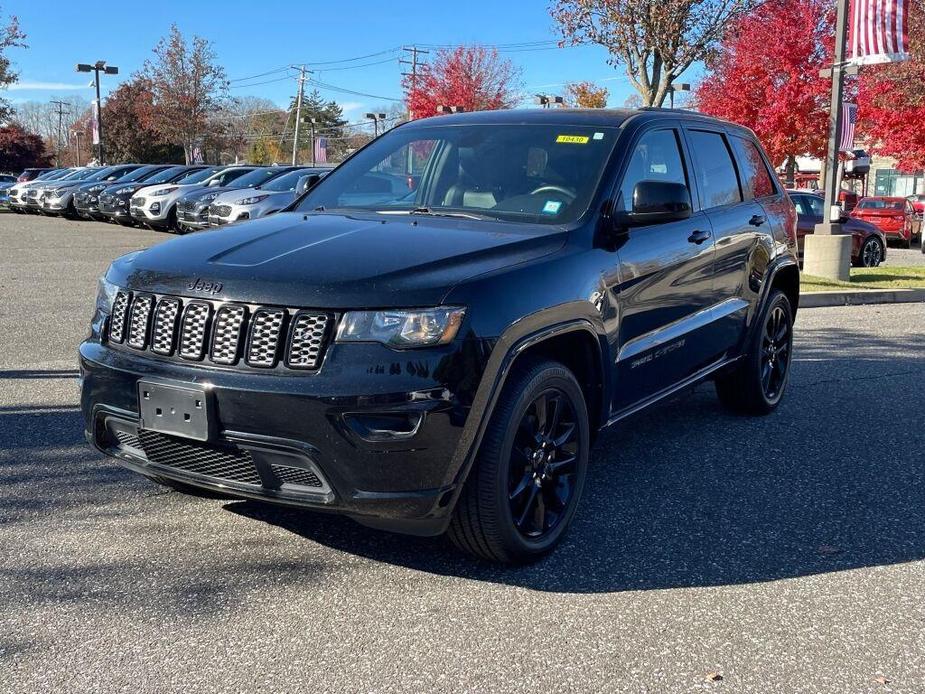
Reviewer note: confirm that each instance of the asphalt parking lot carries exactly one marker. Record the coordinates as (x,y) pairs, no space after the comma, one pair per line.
(784,554)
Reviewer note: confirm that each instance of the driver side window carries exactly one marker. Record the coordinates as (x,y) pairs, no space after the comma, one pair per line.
(656,157)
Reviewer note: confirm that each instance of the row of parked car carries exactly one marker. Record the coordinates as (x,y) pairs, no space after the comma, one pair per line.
(165,197)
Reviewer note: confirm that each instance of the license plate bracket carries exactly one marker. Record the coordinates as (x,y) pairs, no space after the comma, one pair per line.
(179,409)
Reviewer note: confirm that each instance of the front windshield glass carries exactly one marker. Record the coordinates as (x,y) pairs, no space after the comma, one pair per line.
(285,182)
(57,175)
(543,173)
(166,175)
(198,176)
(138,174)
(258,177)
(79,175)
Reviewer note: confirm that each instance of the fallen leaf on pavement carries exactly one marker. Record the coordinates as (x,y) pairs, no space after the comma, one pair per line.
(880,679)
(713,677)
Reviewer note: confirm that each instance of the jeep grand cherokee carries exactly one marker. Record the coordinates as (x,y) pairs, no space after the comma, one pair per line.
(429,339)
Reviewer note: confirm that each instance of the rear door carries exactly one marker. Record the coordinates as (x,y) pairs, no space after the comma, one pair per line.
(730,201)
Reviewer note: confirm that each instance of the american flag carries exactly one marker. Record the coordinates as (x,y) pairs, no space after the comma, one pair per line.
(321,150)
(878,31)
(849,118)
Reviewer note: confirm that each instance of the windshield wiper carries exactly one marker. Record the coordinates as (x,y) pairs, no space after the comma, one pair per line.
(463,215)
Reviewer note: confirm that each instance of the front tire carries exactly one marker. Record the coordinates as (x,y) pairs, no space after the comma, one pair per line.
(871,253)
(758,382)
(528,476)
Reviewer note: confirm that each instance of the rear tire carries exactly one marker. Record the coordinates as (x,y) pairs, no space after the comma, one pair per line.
(526,482)
(758,382)
(173,226)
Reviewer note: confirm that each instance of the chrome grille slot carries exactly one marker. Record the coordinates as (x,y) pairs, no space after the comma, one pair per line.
(165,326)
(193,329)
(119,313)
(306,340)
(140,321)
(226,334)
(263,345)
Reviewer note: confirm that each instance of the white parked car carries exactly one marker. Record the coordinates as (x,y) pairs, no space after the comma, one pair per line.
(156,206)
(241,205)
(21,195)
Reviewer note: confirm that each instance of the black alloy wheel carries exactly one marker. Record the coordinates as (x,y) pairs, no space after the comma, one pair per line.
(871,253)
(526,482)
(543,464)
(776,346)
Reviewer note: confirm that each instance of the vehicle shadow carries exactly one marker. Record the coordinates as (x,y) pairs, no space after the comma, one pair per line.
(687,495)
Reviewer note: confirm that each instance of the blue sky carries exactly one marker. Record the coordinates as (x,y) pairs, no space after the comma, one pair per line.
(257,37)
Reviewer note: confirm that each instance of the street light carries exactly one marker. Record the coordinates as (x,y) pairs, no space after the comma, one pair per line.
(98,67)
(546,100)
(375,118)
(76,134)
(680,87)
(310,121)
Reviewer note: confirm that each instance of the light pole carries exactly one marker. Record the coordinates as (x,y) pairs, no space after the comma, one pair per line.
(310,121)
(375,118)
(827,252)
(680,87)
(97,67)
(546,100)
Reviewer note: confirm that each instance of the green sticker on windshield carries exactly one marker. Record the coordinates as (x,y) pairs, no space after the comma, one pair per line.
(552,207)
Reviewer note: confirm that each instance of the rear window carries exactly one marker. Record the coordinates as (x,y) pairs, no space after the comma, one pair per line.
(874,204)
(714,169)
(755,175)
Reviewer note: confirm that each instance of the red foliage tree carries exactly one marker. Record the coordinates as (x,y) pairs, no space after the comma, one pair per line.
(473,77)
(20,149)
(765,75)
(891,101)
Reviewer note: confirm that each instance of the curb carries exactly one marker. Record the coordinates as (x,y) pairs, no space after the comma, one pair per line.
(861,297)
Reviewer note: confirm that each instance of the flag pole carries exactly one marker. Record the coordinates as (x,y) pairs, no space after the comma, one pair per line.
(827,253)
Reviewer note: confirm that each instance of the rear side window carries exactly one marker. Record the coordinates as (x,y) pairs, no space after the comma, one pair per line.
(755,175)
(656,157)
(714,169)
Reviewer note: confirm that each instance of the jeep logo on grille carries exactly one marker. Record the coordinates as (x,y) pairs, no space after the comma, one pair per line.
(201,285)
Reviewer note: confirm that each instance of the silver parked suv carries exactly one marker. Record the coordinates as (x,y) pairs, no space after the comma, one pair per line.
(240,205)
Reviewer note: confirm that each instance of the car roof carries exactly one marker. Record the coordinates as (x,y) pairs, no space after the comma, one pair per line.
(591,117)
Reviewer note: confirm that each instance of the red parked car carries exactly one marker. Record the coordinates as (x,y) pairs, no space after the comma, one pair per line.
(895,217)
(868,247)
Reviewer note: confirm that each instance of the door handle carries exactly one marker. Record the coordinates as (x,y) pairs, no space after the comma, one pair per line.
(698,236)
(757,220)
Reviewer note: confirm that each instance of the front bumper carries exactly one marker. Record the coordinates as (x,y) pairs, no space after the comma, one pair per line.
(115,207)
(193,218)
(230,214)
(318,421)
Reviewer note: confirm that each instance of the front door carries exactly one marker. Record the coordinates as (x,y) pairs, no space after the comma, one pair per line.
(665,281)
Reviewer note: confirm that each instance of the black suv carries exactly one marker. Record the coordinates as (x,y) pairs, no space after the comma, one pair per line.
(430,338)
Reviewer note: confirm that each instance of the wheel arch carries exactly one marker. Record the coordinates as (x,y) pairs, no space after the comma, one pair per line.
(785,276)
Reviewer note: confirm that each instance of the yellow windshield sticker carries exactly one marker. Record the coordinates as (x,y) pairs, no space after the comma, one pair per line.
(573,139)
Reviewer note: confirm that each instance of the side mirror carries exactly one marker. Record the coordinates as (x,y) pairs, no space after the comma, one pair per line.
(213,183)
(657,202)
(306,183)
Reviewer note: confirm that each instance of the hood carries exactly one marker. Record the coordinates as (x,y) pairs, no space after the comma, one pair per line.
(230,197)
(199,194)
(182,189)
(336,261)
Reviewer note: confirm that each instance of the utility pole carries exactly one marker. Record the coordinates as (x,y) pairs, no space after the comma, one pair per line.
(827,252)
(61,112)
(415,52)
(76,134)
(298,110)
(97,67)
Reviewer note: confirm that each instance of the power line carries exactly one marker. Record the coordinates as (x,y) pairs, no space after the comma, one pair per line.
(262,74)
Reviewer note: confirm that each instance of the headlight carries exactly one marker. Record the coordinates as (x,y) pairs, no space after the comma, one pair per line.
(123,191)
(208,198)
(163,191)
(402,328)
(105,293)
(95,189)
(252,200)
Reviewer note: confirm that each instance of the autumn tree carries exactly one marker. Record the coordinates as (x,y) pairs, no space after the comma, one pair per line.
(765,75)
(132,134)
(654,40)
(10,37)
(20,149)
(189,87)
(891,101)
(329,123)
(473,77)
(586,95)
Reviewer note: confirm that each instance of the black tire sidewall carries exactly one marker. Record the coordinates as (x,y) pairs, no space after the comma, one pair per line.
(552,376)
(867,243)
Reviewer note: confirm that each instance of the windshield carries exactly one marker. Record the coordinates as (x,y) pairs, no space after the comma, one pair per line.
(198,176)
(139,174)
(56,175)
(259,177)
(286,182)
(542,173)
(78,175)
(874,204)
(166,175)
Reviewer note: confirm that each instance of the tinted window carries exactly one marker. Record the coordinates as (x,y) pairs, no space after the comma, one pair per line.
(816,204)
(286,182)
(656,157)
(166,175)
(755,176)
(258,177)
(197,176)
(714,169)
